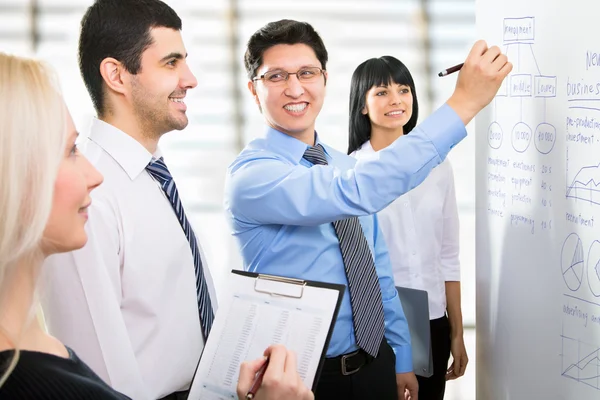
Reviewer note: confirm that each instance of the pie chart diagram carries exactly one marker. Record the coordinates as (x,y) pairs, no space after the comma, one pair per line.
(572,262)
(593,268)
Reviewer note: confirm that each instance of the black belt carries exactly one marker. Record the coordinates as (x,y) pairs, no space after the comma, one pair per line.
(350,363)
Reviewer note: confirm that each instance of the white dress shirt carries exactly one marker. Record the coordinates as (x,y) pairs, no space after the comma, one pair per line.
(421,230)
(126,302)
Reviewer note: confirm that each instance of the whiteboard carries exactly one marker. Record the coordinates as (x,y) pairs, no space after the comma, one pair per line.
(538,204)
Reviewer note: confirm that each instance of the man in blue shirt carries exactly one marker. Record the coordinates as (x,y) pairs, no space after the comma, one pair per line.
(302,209)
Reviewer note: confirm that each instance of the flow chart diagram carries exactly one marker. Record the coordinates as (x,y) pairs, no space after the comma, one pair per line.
(518,38)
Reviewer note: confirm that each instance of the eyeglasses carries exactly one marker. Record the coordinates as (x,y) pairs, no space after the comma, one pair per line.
(278,77)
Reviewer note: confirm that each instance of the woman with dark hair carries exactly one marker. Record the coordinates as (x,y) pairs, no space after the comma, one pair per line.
(421,227)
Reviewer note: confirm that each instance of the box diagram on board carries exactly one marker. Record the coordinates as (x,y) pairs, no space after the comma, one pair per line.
(519,39)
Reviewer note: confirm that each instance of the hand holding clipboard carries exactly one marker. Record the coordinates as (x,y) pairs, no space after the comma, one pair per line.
(259,311)
(288,385)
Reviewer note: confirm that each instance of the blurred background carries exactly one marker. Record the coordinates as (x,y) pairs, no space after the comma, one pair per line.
(427,35)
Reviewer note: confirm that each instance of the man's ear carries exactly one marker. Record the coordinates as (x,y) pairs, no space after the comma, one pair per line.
(114,74)
(252,89)
(326,76)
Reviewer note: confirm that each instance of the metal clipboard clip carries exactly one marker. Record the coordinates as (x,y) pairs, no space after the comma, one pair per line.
(279,286)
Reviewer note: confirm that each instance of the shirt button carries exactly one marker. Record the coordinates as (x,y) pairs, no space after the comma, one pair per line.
(405,204)
(414,253)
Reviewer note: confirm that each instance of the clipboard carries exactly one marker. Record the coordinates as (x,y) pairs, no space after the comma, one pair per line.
(415,304)
(261,310)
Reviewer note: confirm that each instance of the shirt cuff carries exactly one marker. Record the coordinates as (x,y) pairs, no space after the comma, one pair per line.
(445,129)
(451,274)
(404,361)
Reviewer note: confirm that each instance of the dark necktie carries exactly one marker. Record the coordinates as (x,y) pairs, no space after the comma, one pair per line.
(363,283)
(159,171)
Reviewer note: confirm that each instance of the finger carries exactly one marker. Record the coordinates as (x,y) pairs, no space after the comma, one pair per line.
(248,370)
(505,70)
(277,355)
(478,49)
(463,366)
(414,395)
(290,361)
(290,368)
(450,375)
(270,349)
(456,369)
(499,62)
(491,54)
(451,368)
(401,391)
(414,391)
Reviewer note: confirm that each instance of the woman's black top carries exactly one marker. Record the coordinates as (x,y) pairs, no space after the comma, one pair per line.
(42,376)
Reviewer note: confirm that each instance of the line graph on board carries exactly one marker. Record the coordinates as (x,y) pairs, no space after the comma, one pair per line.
(585,186)
(580,362)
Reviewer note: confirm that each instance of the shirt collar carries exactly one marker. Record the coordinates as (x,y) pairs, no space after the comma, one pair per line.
(125,150)
(288,146)
(366,148)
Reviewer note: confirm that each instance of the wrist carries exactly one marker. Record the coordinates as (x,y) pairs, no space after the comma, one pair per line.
(456,328)
(457,333)
(463,106)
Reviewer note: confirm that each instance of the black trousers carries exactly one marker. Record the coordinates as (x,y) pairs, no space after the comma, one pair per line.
(376,380)
(433,388)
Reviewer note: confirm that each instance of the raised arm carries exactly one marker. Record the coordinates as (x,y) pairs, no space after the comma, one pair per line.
(263,190)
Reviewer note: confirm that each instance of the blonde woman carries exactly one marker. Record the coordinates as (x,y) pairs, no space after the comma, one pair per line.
(44,202)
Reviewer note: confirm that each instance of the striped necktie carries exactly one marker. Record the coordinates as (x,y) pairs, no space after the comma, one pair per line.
(159,171)
(363,283)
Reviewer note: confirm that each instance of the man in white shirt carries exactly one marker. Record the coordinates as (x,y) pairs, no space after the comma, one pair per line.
(137,302)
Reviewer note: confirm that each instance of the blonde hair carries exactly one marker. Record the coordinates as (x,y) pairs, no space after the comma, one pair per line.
(32,139)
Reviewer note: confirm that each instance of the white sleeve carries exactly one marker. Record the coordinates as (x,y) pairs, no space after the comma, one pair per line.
(82,299)
(450,235)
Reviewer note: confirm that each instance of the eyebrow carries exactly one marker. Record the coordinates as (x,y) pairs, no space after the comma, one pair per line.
(299,68)
(399,84)
(175,55)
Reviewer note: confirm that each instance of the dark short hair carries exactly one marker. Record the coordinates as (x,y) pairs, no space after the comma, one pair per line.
(376,72)
(285,31)
(118,29)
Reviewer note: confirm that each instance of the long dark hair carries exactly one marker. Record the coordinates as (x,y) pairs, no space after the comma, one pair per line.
(376,72)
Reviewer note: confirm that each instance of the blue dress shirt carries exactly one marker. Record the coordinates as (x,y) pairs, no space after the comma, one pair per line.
(281,208)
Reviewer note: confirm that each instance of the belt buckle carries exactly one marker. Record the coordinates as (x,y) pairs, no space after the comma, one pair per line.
(344,369)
